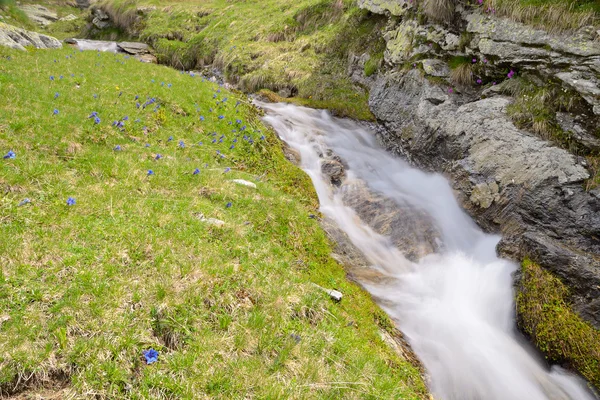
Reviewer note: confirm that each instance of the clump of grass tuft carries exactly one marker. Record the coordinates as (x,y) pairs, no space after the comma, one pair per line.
(439,10)
(373,64)
(545,315)
(461,73)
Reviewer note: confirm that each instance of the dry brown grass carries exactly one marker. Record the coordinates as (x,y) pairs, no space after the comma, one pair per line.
(462,75)
(556,17)
(440,10)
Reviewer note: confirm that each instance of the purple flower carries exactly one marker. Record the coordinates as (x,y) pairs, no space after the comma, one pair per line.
(55,112)
(151,356)
(147,144)
(199,143)
(221,116)
(196,171)
(262,137)
(474,60)
(169,85)
(56,95)
(158,157)
(51,77)
(10,155)
(97,120)
(493,83)
(150,172)
(23,202)
(201,118)
(117,148)
(228,205)
(450,90)
(93,114)
(170,139)
(181,144)
(125,118)
(510,74)
(238,121)
(227,170)
(231,147)
(479,81)
(70,201)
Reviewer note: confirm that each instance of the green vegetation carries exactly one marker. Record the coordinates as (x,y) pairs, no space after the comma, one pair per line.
(546,316)
(552,15)
(13,15)
(373,63)
(134,264)
(297,48)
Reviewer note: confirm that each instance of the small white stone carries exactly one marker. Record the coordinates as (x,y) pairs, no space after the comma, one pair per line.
(244,182)
(335,295)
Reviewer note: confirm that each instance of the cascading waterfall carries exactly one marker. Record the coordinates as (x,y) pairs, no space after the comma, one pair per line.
(455,306)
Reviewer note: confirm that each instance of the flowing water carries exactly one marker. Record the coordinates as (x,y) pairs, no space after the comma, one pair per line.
(454,306)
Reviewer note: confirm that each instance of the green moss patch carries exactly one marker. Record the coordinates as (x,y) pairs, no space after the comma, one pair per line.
(545,315)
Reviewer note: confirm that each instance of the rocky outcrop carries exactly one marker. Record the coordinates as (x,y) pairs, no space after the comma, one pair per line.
(39,14)
(508,179)
(17,38)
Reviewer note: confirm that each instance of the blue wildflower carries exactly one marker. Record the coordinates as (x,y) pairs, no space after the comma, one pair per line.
(243,128)
(151,356)
(23,202)
(238,121)
(97,120)
(11,154)
(60,77)
(147,144)
(228,205)
(56,95)
(214,140)
(224,100)
(169,85)
(95,96)
(125,118)
(214,96)
(199,143)
(137,97)
(181,144)
(262,137)
(201,118)
(227,170)
(55,111)
(93,114)
(210,109)
(117,148)
(170,139)
(158,157)
(221,116)
(231,147)
(235,140)
(137,104)
(70,201)
(150,172)
(51,77)
(196,171)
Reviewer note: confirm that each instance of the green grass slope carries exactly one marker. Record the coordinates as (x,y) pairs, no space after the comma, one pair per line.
(298,46)
(131,265)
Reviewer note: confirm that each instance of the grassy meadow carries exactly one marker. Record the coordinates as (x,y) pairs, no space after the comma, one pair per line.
(111,170)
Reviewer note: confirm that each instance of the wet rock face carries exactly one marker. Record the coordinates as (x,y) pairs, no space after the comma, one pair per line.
(509,180)
(334,169)
(17,38)
(410,230)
